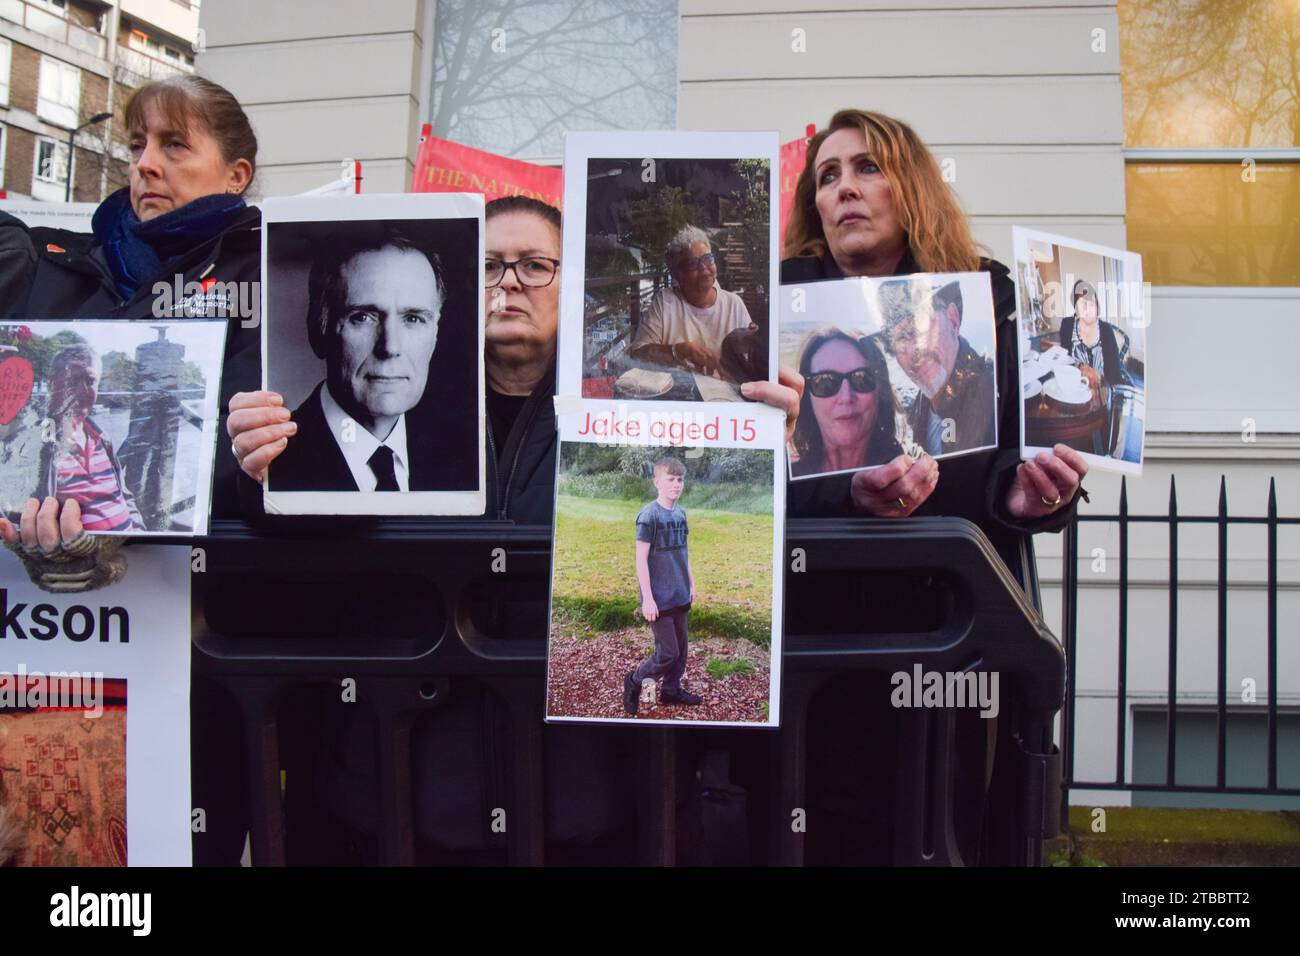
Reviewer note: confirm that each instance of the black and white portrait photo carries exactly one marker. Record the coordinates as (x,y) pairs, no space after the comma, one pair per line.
(372,334)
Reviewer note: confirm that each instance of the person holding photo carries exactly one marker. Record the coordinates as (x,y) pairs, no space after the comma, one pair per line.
(1095,345)
(871,201)
(847,417)
(666,586)
(685,325)
(193,158)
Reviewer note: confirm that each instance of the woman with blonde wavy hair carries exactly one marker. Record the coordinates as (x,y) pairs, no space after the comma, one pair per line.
(871,202)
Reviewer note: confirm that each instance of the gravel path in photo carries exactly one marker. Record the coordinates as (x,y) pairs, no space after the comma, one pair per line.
(586,677)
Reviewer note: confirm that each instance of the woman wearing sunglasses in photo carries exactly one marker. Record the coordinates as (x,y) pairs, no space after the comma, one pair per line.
(847,414)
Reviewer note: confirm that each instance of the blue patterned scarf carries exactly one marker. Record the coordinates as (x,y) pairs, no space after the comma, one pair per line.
(136,251)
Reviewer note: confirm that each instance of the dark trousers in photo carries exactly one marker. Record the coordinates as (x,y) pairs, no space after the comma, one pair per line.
(669,658)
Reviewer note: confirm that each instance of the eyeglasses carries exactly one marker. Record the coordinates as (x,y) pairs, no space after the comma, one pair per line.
(827,384)
(699,262)
(535,272)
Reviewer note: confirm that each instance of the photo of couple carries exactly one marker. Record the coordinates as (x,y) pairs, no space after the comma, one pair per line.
(898,366)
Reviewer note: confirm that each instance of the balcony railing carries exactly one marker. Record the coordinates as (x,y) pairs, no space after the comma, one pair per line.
(47,24)
(147,67)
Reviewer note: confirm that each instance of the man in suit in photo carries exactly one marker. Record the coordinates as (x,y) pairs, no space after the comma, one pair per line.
(374,303)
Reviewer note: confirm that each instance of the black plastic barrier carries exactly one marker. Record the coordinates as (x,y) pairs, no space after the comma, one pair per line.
(412,613)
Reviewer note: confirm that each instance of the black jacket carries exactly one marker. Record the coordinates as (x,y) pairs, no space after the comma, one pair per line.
(72,280)
(521,465)
(17,263)
(313,461)
(972,486)
(971,387)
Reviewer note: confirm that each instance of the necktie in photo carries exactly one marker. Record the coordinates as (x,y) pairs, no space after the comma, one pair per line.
(381,463)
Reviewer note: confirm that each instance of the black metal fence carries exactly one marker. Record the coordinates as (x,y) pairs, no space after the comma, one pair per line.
(1173,520)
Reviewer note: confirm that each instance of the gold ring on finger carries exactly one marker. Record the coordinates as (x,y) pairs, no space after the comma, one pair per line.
(1050,503)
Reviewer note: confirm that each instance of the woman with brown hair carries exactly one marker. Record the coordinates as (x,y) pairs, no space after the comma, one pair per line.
(182,219)
(193,157)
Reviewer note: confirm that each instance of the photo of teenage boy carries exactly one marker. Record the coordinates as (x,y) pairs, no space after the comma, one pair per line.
(667,588)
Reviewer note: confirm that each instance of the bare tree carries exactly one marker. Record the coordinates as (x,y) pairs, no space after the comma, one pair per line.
(511,76)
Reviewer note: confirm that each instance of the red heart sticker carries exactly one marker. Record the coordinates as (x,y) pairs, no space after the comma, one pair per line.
(15,387)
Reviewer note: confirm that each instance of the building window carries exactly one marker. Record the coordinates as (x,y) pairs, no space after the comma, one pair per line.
(1196,753)
(51,161)
(513,83)
(54,6)
(59,101)
(50,172)
(6,56)
(1212,140)
(3,142)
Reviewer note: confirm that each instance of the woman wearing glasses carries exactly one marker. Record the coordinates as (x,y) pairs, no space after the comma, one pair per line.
(522,309)
(847,414)
(684,325)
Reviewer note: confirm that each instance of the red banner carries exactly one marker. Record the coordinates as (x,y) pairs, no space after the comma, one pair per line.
(793,156)
(446,167)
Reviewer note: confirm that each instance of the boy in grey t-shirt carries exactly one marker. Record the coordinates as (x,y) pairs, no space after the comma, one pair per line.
(666,586)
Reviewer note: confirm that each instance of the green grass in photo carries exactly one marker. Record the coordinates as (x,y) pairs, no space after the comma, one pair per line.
(731,556)
(719,668)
